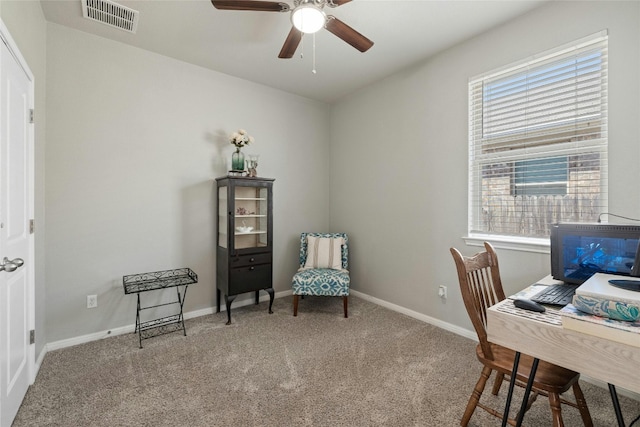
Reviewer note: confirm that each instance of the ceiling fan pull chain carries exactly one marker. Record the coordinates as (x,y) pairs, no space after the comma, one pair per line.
(314,54)
(302,46)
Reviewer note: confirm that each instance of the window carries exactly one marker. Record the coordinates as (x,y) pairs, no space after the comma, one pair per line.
(538,142)
(540,177)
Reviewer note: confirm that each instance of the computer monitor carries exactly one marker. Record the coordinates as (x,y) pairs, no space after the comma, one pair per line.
(579,250)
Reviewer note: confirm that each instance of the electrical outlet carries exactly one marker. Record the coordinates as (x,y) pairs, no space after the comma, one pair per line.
(92,301)
(442,292)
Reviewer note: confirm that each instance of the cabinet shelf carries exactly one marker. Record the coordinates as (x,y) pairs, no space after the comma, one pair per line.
(238,233)
(251,216)
(253,199)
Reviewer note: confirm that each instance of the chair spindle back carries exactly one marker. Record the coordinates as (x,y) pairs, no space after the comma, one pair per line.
(481,287)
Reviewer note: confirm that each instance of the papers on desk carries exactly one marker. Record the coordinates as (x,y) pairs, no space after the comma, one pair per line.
(506,306)
(549,316)
(529,291)
(614,330)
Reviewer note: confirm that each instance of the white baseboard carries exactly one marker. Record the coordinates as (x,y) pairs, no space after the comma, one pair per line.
(419,316)
(247,301)
(471,335)
(56,345)
(38,363)
(82,339)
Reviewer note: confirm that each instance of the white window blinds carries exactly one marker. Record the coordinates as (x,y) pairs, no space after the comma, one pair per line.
(538,142)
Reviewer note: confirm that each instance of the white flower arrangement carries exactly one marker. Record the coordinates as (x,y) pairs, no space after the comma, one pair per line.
(240,138)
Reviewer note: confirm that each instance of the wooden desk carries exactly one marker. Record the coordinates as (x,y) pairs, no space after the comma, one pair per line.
(542,336)
(598,358)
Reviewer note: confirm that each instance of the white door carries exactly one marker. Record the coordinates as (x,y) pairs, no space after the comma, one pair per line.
(16,240)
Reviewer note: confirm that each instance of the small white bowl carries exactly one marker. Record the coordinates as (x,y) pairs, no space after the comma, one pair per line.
(244,229)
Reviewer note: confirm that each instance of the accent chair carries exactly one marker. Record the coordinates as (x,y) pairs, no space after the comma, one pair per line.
(323,268)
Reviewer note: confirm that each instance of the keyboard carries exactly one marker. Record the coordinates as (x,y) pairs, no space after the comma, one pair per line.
(560,294)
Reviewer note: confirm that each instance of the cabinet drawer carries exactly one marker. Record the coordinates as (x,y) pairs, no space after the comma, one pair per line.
(244,260)
(250,278)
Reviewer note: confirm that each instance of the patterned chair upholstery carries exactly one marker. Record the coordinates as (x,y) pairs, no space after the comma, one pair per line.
(322,281)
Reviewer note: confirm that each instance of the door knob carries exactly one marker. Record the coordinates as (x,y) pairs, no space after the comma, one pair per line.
(12,265)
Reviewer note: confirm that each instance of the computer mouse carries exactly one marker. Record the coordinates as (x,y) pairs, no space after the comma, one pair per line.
(527,304)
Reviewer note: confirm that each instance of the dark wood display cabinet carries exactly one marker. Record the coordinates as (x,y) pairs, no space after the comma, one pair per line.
(244,232)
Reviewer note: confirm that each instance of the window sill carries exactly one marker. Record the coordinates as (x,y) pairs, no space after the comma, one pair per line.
(524,244)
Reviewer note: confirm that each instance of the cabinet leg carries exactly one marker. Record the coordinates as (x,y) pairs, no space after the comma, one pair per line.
(270,292)
(217,300)
(257,297)
(228,300)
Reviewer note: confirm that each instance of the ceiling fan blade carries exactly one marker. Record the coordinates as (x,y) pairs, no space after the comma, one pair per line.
(291,43)
(348,34)
(261,6)
(336,3)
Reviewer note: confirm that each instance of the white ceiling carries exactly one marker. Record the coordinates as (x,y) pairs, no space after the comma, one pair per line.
(246,44)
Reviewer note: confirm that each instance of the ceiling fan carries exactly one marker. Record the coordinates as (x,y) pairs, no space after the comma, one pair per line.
(307,17)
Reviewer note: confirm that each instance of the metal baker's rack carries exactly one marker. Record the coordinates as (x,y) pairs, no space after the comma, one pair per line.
(139,283)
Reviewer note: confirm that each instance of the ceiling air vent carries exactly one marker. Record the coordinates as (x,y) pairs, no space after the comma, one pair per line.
(111,14)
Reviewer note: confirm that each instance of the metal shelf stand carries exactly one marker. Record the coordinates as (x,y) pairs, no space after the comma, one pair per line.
(138,283)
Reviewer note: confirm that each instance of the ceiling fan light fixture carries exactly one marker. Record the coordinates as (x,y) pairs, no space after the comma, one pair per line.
(308,18)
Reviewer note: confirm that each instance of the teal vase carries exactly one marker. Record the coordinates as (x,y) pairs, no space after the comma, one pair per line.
(237,160)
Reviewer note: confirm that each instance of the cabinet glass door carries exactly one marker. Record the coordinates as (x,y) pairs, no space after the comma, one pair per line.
(223,204)
(250,217)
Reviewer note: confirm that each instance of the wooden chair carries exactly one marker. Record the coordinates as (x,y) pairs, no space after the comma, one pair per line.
(481,287)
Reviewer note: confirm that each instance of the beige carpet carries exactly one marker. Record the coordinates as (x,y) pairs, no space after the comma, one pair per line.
(377,368)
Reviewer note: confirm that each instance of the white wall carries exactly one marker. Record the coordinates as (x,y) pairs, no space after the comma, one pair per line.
(135,140)
(399,156)
(25,21)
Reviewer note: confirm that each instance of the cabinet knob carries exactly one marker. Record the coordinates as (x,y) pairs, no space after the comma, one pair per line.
(252,259)
(251,268)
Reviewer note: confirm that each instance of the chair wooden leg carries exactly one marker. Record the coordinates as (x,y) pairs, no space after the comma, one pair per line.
(475,396)
(497,383)
(295,305)
(582,405)
(556,412)
(345,303)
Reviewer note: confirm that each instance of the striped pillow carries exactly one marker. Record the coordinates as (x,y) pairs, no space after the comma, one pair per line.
(324,252)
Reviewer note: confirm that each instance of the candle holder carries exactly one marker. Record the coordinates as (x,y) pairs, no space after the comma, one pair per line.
(252,165)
